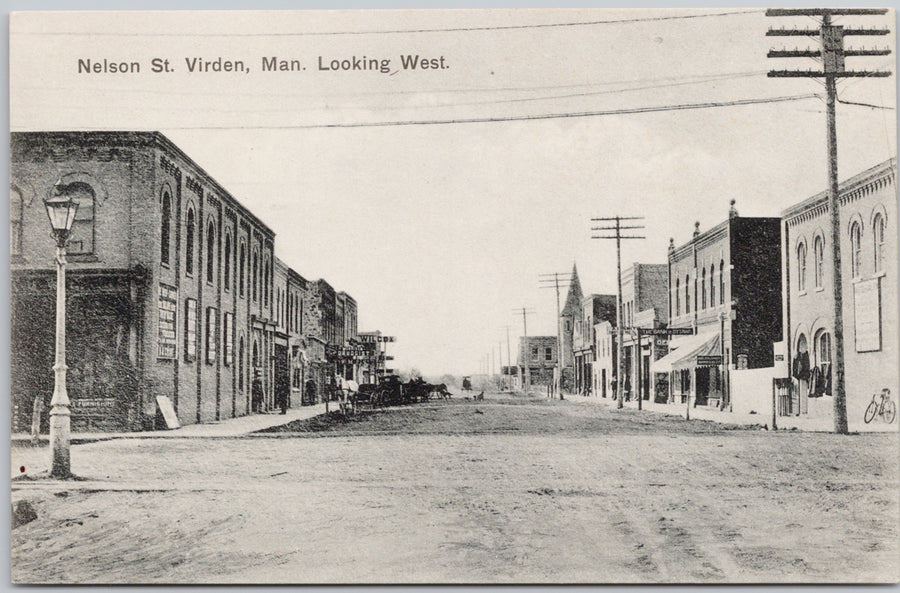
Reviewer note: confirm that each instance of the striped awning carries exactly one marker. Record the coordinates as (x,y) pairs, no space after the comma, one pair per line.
(683,352)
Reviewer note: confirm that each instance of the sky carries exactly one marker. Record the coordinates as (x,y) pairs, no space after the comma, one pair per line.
(440,226)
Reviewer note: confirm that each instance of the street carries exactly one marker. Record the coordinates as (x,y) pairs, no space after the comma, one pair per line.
(509,489)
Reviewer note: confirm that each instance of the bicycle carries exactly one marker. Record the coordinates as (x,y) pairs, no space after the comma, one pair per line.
(885,408)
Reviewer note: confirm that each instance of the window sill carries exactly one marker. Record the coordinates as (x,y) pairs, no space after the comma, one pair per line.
(801,293)
(82,257)
(879,275)
(163,265)
(820,288)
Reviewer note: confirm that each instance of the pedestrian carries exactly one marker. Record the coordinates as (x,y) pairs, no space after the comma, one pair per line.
(627,388)
(256,391)
(613,386)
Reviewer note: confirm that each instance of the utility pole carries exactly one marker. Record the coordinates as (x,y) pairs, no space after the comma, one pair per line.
(551,281)
(620,331)
(526,370)
(831,54)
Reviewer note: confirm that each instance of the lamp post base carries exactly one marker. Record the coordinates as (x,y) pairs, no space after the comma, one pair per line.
(60,429)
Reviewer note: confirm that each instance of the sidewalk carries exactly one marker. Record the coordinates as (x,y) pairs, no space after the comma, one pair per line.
(232,427)
(724,417)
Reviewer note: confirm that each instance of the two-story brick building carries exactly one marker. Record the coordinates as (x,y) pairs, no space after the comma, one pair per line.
(725,284)
(169,282)
(537,360)
(645,305)
(595,308)
(868,226)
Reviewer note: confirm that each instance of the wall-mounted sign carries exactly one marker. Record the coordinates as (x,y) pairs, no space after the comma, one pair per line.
(370,339)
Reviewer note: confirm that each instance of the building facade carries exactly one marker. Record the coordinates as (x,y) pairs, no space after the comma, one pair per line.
(570,313)
(173,290)
(604,368)
(170,283)
(868,230)
(537,360)
(594,309)
(724,284)
(645,306)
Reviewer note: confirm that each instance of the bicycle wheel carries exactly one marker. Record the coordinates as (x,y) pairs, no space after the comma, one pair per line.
(890,411)
(871,411)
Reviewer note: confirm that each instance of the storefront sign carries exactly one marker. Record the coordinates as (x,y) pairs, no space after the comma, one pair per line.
(867,315)
(369,339)
(663,331)
(709,360)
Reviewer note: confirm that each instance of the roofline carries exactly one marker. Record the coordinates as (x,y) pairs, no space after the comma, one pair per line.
(161,141)
(848,185)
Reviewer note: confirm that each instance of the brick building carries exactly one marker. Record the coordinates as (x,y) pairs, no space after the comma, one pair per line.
(645,305)
(173,289)
(724,284)
(537,360)
(169,283)
(594,309)
(868,223)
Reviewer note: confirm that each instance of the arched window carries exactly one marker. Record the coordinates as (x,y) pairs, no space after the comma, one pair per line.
(822,345)
(855,249)
(712,285)
(211,251)
(81,237)
(678,296)
(254,274)
(687,294)
(227,262)
(703,289)
(819,260)
(189,242)
(267,295)
(721,281)
(801,266)
(16,209)
(255,354)
(242,263)
(878,238)
(165,231)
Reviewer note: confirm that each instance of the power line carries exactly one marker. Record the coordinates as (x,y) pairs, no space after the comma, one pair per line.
(397,31)
(544,116)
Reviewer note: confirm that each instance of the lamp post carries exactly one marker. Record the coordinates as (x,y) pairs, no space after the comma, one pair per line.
(61,210)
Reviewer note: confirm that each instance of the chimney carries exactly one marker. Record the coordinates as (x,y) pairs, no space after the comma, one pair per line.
(696,229)
(732,211)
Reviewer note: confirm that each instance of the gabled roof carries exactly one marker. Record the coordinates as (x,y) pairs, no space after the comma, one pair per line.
(573,300)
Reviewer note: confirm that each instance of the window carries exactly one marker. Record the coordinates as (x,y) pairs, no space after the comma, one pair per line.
(267,277)
(678,296)
(211,251)
(81,238)
(548,354)
(228,330)
(878,237)
(703,289)
(212,320)
(190,330)
(167,344)
(254,274)
(16,209)
(722,282)
(801,266)
(227,263)
(855,249)
(819,260)
(687,294)
(242,257)
(165,230)
(534,353)
(189,243)
(823,348)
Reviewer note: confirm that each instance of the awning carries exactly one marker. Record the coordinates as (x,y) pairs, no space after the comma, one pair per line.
(683,352)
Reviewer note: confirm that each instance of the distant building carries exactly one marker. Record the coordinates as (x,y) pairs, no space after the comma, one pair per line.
(570,312)
(868,223)
(536,361)
(604,367)
(725,285)
(594,309)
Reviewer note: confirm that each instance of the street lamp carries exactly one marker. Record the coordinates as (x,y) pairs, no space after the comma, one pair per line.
(61,210)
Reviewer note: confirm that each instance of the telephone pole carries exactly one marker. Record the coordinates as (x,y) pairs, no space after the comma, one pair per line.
(620,332)
(831,54)
(526,370)
(550,281)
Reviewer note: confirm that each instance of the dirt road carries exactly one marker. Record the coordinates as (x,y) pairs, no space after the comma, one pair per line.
(504,490)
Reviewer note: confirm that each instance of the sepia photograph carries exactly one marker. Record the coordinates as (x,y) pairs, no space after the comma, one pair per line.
(454,296)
